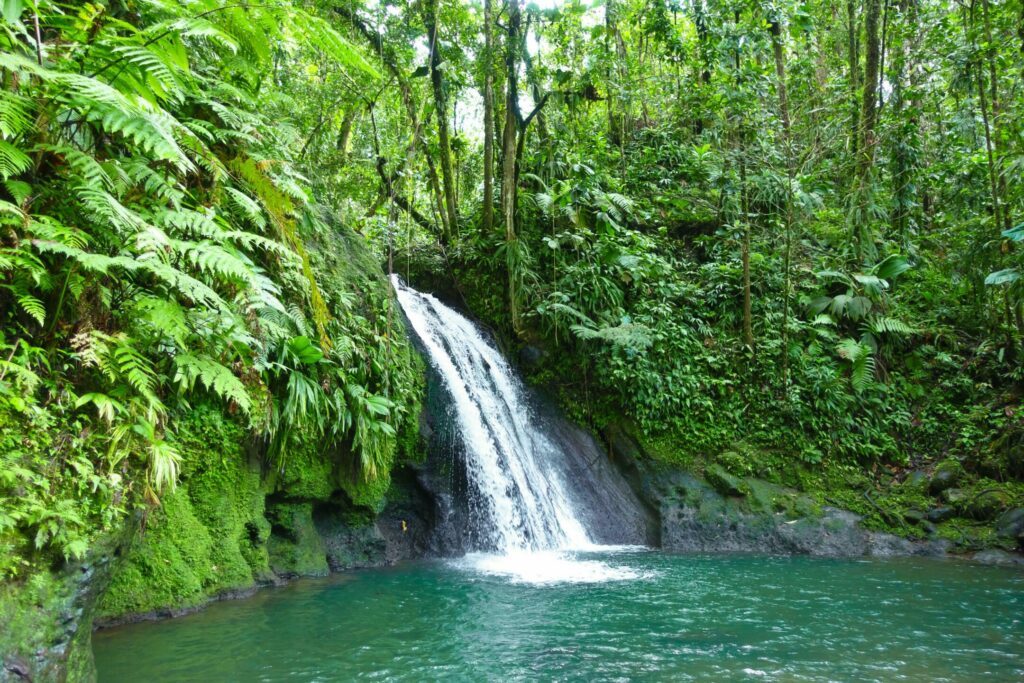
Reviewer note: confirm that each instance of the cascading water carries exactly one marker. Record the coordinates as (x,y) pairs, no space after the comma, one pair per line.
(534,490)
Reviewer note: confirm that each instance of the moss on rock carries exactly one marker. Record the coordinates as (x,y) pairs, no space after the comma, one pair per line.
(295,547)
(208,536)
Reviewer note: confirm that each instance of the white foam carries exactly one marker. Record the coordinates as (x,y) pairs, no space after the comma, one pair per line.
(546,567)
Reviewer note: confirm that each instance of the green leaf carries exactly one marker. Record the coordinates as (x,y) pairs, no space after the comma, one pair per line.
(305,351)
(13,161)
(1002,277)
(12,10)
(891,267)
(1016,233)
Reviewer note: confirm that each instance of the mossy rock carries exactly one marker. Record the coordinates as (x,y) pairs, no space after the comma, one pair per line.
(941,514)
(308,472)
(916,480)
(947,474)
(955,497)
(207,537)
(295,547)
(988,504)
(169,566)
(1010,525)
(725,483)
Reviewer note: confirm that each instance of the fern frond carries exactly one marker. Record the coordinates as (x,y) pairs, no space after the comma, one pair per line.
(13,161)
(626,335)
(214,260)
(15,114)
(884,325)
(212,375)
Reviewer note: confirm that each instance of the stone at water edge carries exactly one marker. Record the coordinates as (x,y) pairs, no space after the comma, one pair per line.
(998,557)
(1011,524)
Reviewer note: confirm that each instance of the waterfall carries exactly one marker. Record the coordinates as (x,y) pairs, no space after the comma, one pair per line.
(521,494)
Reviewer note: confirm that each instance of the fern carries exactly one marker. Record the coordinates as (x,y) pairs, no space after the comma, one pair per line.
(893,326)
(862,362)
(13,161)
(626,335)
(16,114)
(212,375)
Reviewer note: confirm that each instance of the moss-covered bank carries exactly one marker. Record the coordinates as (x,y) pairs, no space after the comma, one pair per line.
(752,500)
(233,524)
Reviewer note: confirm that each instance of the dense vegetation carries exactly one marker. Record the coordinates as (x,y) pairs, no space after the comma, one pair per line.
(162,249)
(783,235)
(780,235)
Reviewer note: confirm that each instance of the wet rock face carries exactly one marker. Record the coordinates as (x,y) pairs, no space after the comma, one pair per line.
(721,512)
(350,541)
(46,627)
(701,520)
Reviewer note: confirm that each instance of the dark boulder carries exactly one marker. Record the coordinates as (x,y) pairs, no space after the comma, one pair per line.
(914,516)
(941,514)
(1010,524)
(946,475)
(955,497)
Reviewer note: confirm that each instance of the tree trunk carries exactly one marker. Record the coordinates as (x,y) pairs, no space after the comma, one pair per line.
(863,238)
(993,172)
(440,104)
(510,128)
(853,60)
(993,77)
(741,134)
(509,155)
(488,199)
(869,110)
(778,51)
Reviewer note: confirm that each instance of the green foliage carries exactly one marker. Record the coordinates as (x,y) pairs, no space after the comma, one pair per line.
(155,254)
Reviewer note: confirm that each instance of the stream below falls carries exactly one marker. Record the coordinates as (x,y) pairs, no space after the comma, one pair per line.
(609,615)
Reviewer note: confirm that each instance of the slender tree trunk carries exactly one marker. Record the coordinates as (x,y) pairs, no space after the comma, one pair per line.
(744,207)
(869,112)
(748,314)
(488,199)
(345,134)
(390,61)
(440,103)
(906,113)
(863,240)
(853,61)
(511,125)
(509,190)
(778,51)
(993,77)
(993,172)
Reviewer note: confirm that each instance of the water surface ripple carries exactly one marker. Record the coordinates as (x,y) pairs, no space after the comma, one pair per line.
(658,617)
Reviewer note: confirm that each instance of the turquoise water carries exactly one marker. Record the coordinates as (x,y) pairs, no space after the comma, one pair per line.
(627,615)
